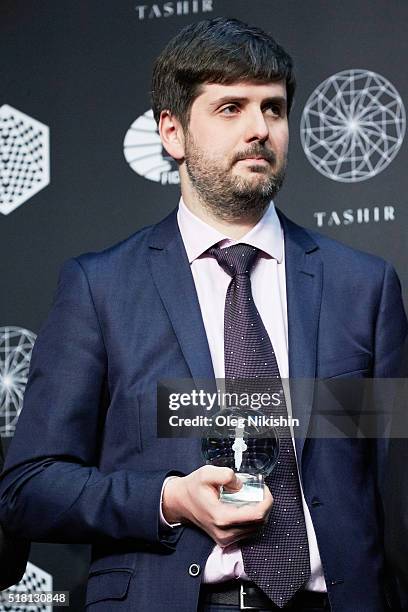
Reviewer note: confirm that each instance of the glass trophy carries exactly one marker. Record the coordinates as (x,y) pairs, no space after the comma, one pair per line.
(242,440)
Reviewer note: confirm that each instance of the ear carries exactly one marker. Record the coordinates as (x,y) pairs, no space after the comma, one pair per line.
(172,135)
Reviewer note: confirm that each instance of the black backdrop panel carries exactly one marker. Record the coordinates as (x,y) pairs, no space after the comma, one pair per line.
(82,68)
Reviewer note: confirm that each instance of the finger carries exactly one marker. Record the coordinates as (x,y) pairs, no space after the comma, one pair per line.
(235,536)
(245,526)
(234,520)
(268,497)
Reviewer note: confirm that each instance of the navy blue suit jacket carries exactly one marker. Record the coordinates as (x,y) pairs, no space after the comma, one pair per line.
(86,465)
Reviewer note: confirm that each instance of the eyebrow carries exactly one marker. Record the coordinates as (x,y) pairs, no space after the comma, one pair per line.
(243,99)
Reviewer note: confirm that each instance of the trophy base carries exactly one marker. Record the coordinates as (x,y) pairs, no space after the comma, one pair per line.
(251,492)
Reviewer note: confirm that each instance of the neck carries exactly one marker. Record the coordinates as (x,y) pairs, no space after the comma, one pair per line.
(233,228)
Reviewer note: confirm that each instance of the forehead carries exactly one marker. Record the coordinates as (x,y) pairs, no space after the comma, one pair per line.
(249,90)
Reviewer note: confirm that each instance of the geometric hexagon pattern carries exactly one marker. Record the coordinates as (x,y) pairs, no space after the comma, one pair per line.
(24,158)
(353,125)
(16,345)
(34,580)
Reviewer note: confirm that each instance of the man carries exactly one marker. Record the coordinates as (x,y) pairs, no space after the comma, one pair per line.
(86,464)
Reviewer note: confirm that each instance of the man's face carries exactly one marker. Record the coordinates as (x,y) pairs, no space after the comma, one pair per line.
(236,146)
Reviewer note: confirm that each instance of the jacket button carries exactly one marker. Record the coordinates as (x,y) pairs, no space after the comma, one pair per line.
(194,569)
(316,502)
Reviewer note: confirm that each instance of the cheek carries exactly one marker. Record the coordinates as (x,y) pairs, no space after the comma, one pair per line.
(219,152)
(219,144)
(281,143)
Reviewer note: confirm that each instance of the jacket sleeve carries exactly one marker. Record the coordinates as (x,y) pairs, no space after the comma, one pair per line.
(391,454)
(390,339)
(51,489)
(13,552)
(391,328)
(13,559)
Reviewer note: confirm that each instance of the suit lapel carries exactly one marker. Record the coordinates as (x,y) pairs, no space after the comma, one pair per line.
(304,277)
(174,282)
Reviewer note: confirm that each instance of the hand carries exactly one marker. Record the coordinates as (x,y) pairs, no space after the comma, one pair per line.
(195,499)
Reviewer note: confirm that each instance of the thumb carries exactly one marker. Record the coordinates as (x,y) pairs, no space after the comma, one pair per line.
(230,480)
(224,476)
(233,483)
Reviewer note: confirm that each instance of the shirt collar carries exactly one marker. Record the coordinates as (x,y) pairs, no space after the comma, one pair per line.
(198,236)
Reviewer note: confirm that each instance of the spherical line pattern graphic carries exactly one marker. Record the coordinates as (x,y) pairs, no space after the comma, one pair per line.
(16,345)
(353,125)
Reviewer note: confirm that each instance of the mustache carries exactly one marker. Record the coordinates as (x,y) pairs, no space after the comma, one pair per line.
(256,150)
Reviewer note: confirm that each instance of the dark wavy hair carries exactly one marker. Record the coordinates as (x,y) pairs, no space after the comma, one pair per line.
(219,50)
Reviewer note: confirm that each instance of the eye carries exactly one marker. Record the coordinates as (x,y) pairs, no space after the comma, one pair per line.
(274,109)
(231,109)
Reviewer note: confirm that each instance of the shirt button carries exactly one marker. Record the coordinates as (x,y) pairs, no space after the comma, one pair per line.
(194,569)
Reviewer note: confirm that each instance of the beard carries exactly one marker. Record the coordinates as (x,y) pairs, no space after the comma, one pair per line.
(231,197)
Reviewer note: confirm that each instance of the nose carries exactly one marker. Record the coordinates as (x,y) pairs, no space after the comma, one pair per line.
(257,127)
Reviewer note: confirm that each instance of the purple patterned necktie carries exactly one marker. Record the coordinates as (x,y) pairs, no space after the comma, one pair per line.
(278,559)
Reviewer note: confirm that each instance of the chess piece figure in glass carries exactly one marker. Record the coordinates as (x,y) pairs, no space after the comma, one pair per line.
(242,439)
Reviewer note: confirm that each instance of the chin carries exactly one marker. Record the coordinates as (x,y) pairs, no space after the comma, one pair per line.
(257,174)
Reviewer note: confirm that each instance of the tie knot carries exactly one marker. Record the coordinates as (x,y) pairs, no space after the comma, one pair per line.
(236,259)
